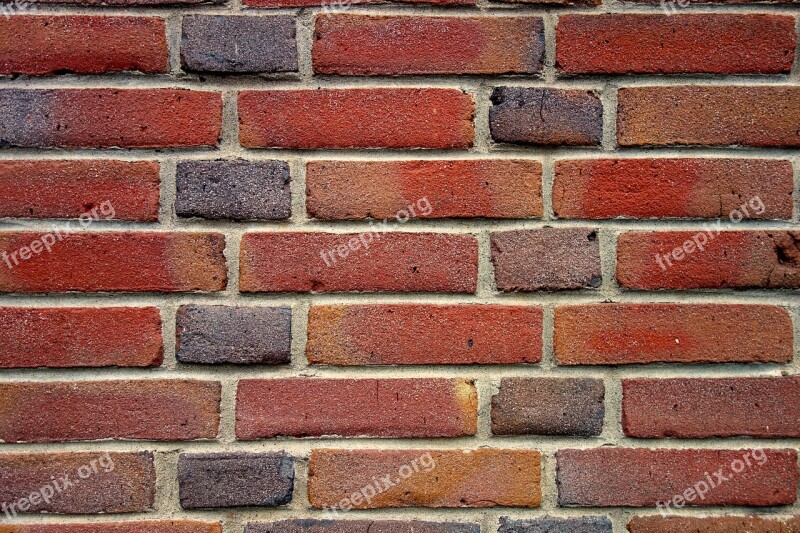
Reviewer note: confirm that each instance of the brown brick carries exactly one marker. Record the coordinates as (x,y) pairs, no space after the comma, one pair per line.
(308,525)
(705,115)
(424,334)
(546,259)
(316,407)
(605,477)
(81,483)
(714,524)
(424,478)
(548,406)
(150,526)
(607,334)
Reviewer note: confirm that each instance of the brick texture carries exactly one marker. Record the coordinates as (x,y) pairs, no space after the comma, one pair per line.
(370,261)
(424,334)
(124,190)
(699,408)
(360,526)
(209,480)
(352,190)
(119,261)
(176,526)
(332,7)
(108,118)
(714,524)
(631,477)
(603,334)
(80,337)
(675,44)
(673,188)
(39,45)
(590,524)
(315,407)
(355,118)
(90,482)
(362,45)
(425,478)
(73,411)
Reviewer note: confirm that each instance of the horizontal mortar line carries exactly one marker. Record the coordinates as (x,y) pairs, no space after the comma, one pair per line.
(782,297)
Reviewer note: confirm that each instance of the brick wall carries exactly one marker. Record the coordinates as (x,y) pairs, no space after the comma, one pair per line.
(467,266)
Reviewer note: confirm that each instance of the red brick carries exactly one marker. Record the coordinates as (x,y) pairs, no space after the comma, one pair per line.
(150,526)
(116,482)
(709,115)
(443,478)
(672,188)
(604,477)
(356,118)
(110,118)
(80,337)
(301,262)
(500,188)
(37,45)
(68,189)
(424,334)
(390,45)
(113,261)
(714,524)
(700,408)
(300,407)
(607,334)
(333,6)
(92,410)
(731,259)
(673,44)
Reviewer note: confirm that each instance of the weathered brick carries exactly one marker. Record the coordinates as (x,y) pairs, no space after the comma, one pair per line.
(112,261)
(548,406)
(151,526)
(124,3)
(587,524)
(730,259)
(709,115)
(316,407)
(126,190)
(355,118)
(424,478)
(699,408)
(238,335)
(238,44)
(359,526)
(46,44)
(80,337)
(324,262)
(390,45)
(607,334)
(109,118)
(673,188)
(92,410)
(499,188)
(546,259)
(631,477)
(424,334)
(675,44)
(554,2)
(335,7)
(714,524)
(546,116)
(235,479)
(237,190)
(99,482)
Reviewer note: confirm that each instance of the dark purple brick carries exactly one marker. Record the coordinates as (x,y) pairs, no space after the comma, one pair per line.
(587,524)
(546,259)
(235,479)
(546,116)
(236,190)
(238,44)
(238,335)
(360,526)
(548,406)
